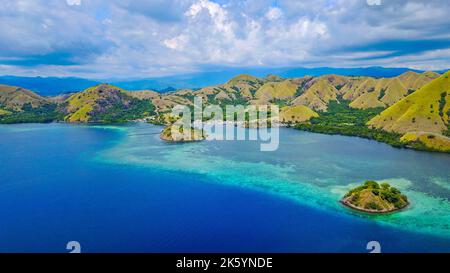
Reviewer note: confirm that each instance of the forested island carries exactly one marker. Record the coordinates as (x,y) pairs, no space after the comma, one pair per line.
(372,197)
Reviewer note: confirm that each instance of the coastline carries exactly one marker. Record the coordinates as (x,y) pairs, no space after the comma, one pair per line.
(405,145)
(344,202)
(243,125)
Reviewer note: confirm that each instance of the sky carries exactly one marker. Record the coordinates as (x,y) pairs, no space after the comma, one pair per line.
(151,38)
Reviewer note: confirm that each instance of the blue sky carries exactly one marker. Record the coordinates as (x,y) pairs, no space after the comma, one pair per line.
(148,38)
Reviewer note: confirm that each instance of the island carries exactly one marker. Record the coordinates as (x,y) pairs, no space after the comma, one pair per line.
(411,110)
(372,197)
(196,134)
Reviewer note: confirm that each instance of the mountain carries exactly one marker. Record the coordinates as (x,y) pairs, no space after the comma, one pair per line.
(317,94)
(18,105)
(423,116)
(238,90)
(314,94)
(367,92)
(410,109)
(105,103)
(14,98)
(275,91)
(51,86)
(219,75)
(427,110)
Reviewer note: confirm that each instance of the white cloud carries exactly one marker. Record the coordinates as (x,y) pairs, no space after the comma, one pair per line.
(373,2)
(177,43)
(121,38)
(73,2)
(274,13)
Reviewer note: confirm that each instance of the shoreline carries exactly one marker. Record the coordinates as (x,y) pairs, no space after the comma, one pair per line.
(405,147)
(226,123)
(346,204)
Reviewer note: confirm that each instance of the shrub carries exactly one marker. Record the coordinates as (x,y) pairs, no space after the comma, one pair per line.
(372,184)
(373,206)
(442,102)
(355,198)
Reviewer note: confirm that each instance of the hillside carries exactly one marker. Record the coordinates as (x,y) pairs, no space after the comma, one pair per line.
(425,110)
(314,93)
(14,98)
(317,94)
(384,109)
(366,92)
(18,105)
(296,114)
(277,90)
(105,103)
(427,141)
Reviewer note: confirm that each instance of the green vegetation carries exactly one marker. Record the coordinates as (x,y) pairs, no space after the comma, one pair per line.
(106,104)
(117,113)
(44,114)
(280,103)
(373,197)
(382,93)
(238,100)
(4,112)
(194,135)
(341,114)
(329,104)
(422,111)
(427,141)
(343,120)
(442,102)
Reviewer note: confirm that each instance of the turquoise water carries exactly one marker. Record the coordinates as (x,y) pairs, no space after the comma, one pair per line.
(120,188)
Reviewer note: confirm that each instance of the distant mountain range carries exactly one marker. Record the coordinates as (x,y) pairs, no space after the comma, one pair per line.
(408,110)
(51,86)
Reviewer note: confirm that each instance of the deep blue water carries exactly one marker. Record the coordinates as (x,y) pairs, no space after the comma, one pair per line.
(53,189)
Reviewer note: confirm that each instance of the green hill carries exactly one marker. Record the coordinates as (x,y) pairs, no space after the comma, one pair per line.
(105,103)
(14,98)
(296,114)
(422,116)
(384,109)
(366,92)
(18,105)
(317,94)
(244,78)
(275,91)
(427,141)
(426,110)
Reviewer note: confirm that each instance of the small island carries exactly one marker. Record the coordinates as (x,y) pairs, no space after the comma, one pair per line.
(375,198)
(195,135)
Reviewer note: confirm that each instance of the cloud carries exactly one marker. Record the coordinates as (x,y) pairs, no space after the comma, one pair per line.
(274,13)
(142,38)
(373,2)
(73,2)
